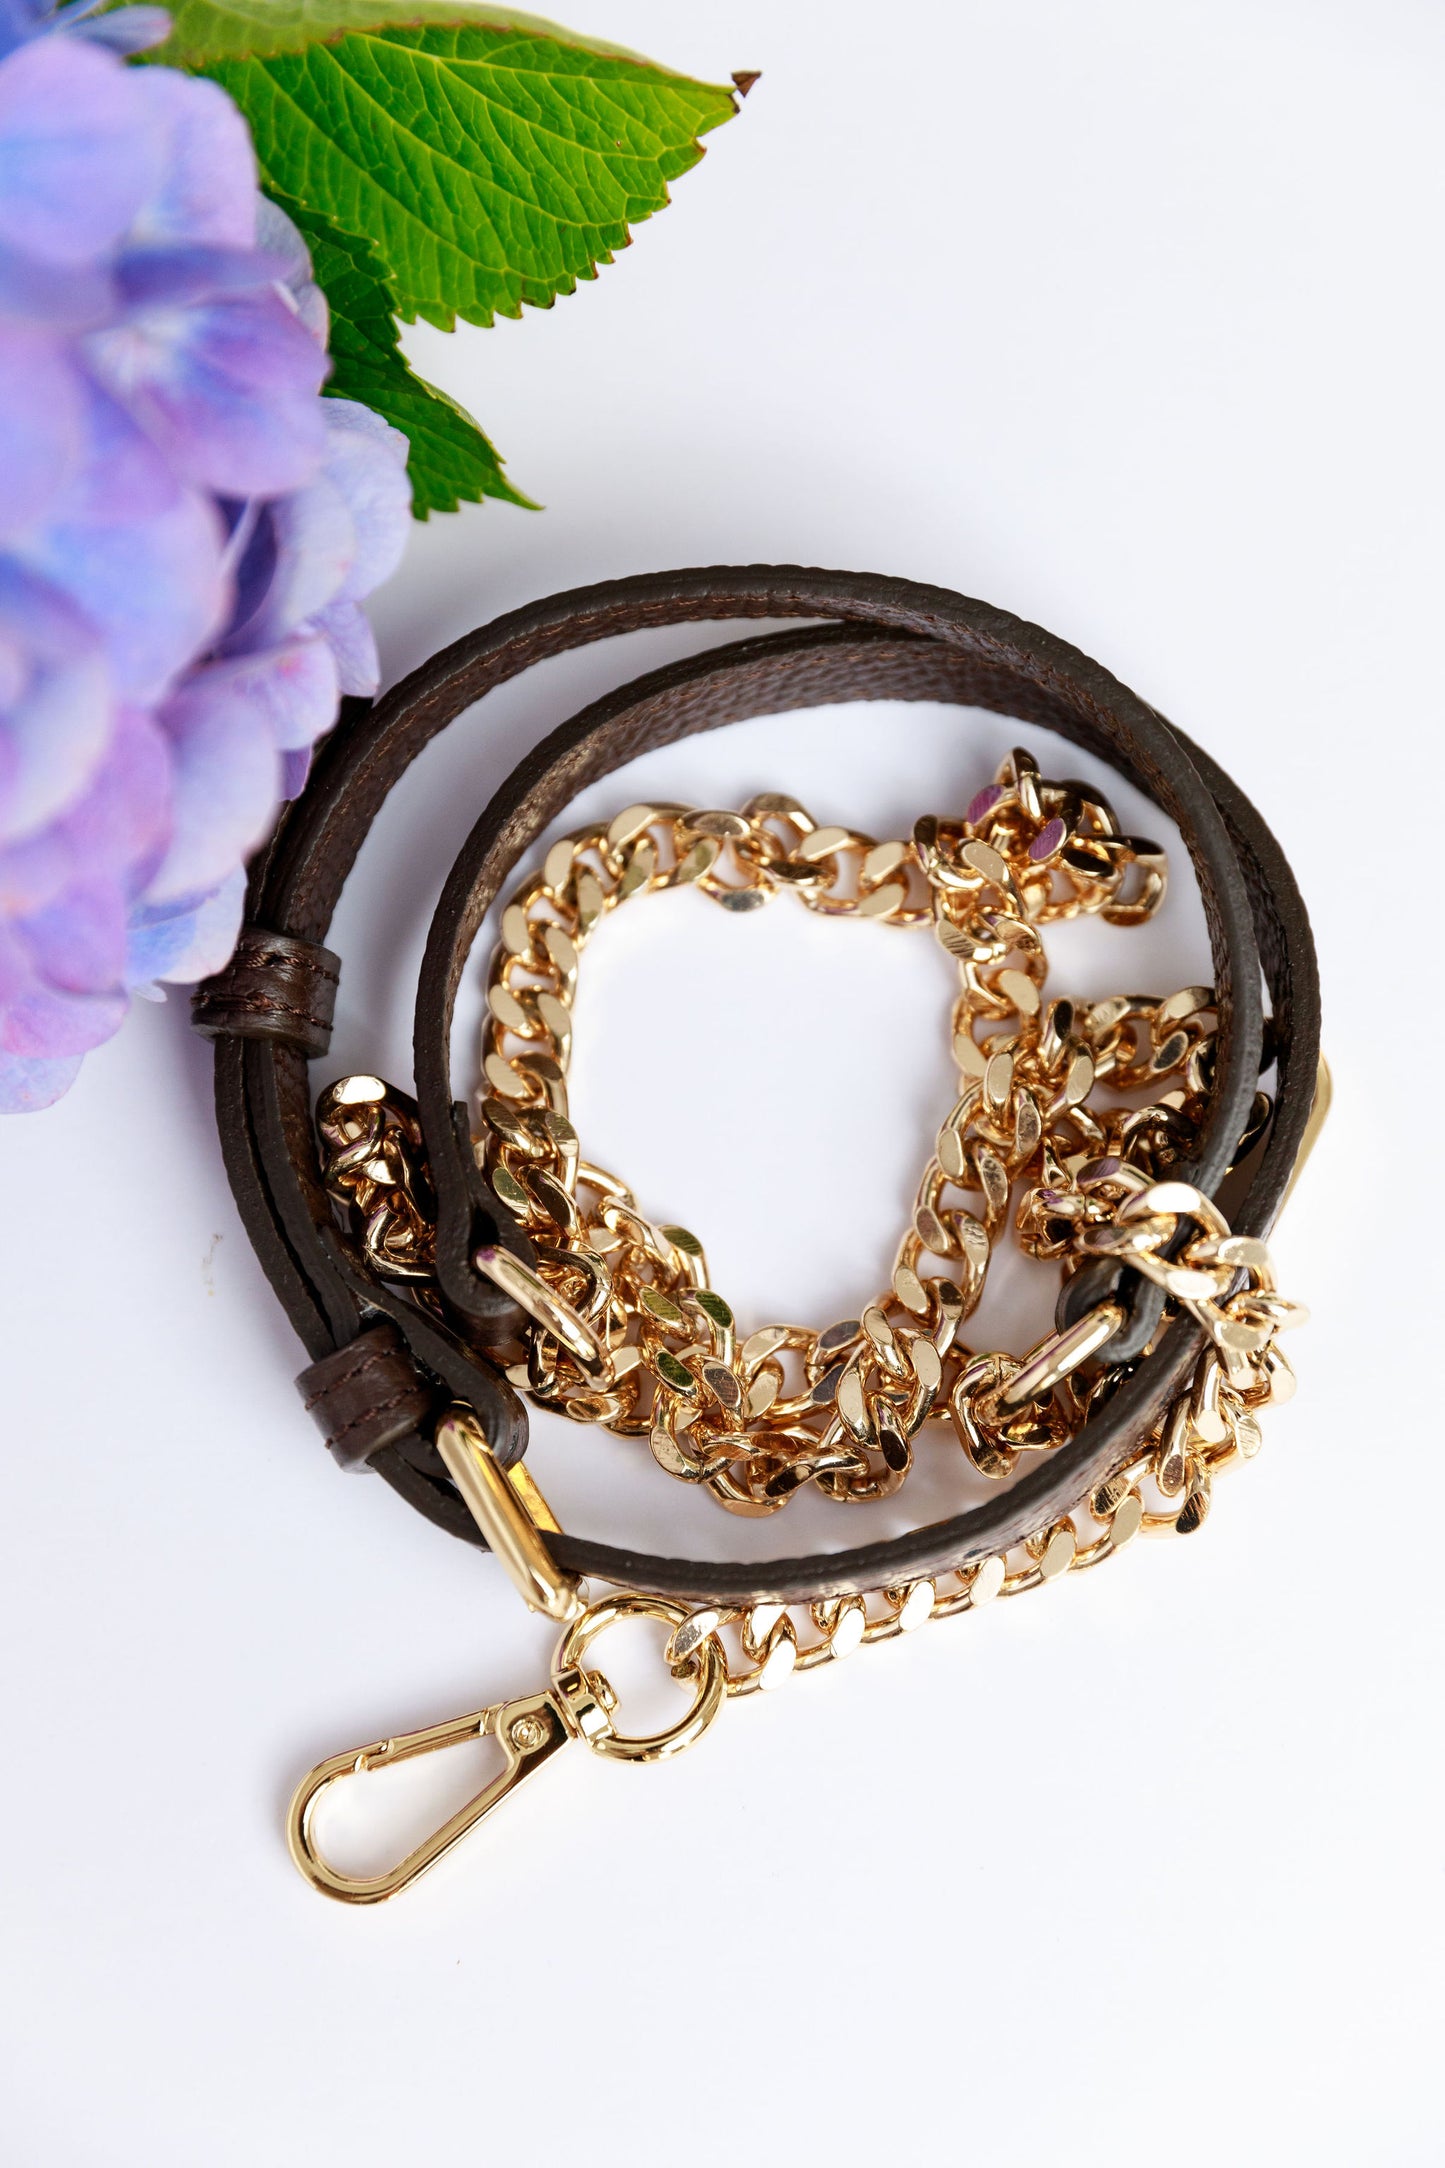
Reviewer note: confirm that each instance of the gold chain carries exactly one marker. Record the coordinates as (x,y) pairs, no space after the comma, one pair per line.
(647,1347)
(628,1331)
(1164,1490)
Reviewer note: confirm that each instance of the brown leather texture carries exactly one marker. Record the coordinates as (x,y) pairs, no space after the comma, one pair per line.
(880,639)
(366,1395)
(274,987)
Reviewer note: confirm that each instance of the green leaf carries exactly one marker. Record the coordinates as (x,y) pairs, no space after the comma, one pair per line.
(489,164)
(451,460)
(444,160)
(207,30)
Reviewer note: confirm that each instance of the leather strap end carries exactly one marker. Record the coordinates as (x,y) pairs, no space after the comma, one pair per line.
(366,1396)
(275,987)
(468,1214)
(1105,1279)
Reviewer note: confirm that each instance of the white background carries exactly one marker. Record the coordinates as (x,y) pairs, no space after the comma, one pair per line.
(1124,316)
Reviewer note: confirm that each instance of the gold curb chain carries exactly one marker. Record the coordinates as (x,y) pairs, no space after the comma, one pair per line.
(653,1350)
(631,1334)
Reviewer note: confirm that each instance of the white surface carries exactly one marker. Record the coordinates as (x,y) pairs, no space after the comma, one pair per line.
(1124,316)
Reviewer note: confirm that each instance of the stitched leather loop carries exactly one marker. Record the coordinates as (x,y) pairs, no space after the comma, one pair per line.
(365,1396)
(275,986)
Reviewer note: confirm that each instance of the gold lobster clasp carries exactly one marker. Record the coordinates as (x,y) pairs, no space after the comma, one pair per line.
(578,1704)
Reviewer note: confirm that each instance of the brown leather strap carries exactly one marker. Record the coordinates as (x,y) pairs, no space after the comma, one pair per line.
(274,987)
(897,641)
(366,1395)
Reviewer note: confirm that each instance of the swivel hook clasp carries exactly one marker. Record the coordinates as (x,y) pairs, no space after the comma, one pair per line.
(530,1730)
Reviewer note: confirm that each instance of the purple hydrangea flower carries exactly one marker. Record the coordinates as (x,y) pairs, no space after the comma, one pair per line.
(187,529)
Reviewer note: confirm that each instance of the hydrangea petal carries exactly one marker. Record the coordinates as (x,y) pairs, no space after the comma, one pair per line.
(310,537)
(122,824)
(225,389)
(311,554)
(20,21)
(56,702)
(17,972)
(347,631)
(295,767)
(31,872)
(206,189)
(27,1086)
(42,424)
(78,156)
(45,1023)
(280,236)
(141,553)
(123,476)
(61,297)
(78,941)
(127,29)
(292,690)
(150,278)
(188,942)
(226,778)
(366,460)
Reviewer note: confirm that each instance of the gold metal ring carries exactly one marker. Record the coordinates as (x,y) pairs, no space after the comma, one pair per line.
(708,1666)
(547,1310)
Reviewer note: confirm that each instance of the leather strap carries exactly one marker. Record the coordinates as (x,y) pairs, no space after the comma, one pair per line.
(274,987)
(365,1396)
(889,639)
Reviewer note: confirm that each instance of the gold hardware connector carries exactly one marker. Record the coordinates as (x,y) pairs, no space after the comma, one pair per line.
(1045,1367)
(1319,1114)
(547,1309)
(578,1704)
(501,1511)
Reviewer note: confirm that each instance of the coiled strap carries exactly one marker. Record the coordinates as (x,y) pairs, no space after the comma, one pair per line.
(887,639)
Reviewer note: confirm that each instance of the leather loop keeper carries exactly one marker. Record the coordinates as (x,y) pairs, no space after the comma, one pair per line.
(276,987)
(367,1395)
